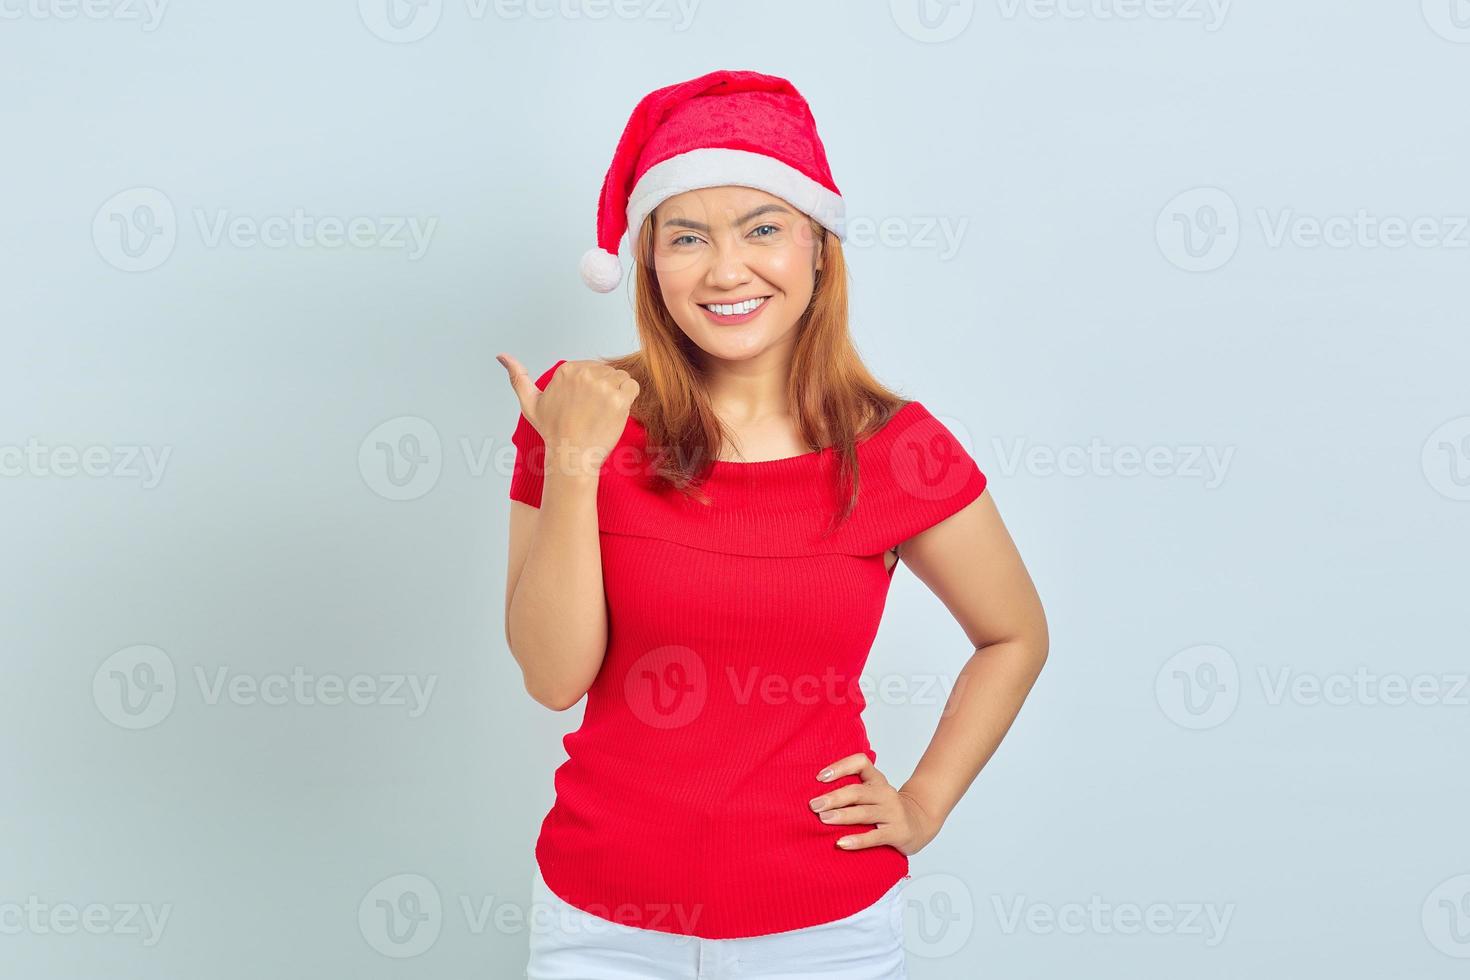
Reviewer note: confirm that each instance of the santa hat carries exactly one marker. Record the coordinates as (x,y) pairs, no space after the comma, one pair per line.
(726,127)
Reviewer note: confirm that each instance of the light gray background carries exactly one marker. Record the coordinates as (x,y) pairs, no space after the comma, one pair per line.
(1078,157)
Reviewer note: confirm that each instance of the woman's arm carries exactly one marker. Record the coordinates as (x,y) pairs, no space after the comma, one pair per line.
(555,607)
(971,564)
(555,611)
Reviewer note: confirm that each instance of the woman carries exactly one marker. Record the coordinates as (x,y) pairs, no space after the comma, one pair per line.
(702,538)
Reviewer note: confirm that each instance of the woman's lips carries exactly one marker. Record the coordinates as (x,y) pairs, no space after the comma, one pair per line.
(726,321)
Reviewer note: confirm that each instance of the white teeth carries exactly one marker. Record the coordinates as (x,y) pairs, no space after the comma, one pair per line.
(733,309)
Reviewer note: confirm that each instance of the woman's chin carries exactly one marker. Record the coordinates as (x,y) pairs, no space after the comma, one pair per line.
(734,344)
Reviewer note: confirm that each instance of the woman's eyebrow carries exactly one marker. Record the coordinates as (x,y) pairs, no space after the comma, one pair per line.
(701,226)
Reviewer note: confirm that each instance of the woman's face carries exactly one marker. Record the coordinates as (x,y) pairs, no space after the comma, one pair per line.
(728,245)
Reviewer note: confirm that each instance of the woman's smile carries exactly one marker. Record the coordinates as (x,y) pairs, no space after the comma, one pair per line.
(733,313)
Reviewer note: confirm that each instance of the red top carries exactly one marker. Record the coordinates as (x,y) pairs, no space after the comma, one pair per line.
(736,635)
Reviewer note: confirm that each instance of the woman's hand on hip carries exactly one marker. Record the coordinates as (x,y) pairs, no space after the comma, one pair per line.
(900,821)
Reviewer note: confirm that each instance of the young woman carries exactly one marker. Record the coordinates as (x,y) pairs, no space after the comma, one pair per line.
(702,538)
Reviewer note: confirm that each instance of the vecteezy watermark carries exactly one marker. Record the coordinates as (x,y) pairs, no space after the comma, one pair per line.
(37,459)
(1206,920)
(401,458)
(1200,687)
(136,687)
(1450,19)
(1446,917)
(36,917)
(600,920)
(938,233)
(1209,13)
(669,686)
(406,21)
(937,915)
(936,21)
(300,687)
(1207,464)
(1200,230)
(932,21)
(755,685)
(404,915)
(298,229)
(1445,458)
(147,13)
(1362,230)
(137,229)
(401,916)
(1363,688)
(931,458)
(400,21)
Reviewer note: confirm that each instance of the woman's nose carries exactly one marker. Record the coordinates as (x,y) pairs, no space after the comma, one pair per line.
(728,266)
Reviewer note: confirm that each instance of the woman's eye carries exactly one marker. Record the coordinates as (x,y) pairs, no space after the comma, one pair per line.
(682,239)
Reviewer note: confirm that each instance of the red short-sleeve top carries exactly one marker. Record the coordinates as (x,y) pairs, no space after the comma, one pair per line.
(737,632)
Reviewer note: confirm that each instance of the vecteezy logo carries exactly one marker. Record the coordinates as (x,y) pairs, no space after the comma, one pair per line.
(666,687)
(932,21)
(928,461)
(1450,19)
(1446,917)
(1198,687)
(1199,230)
(401,916)
(1446,459)
(400,21)
(938,915)
(401,459)
(135,687)
(135,230)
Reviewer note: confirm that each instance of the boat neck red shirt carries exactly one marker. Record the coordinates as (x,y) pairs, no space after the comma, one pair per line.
(737,632)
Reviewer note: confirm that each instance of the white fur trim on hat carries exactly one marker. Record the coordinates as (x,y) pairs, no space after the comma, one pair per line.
(715,167)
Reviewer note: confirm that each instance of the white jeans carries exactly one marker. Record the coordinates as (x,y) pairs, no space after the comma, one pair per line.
(569,944)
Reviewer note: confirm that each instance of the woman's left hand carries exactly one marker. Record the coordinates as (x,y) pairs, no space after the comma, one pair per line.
(901,821)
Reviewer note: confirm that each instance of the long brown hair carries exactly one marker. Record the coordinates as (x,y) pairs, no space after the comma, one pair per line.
(835,400)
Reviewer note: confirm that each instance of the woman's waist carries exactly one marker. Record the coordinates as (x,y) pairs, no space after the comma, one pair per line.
(700,796)
(744,878)
(703,779)
(733,732)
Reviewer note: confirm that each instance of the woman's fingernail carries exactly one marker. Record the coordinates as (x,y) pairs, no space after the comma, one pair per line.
(824,775)
(818,803)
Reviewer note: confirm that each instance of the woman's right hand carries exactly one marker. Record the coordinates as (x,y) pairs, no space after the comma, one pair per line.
(581,414)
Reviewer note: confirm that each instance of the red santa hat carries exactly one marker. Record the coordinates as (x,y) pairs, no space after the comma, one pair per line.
(726,127)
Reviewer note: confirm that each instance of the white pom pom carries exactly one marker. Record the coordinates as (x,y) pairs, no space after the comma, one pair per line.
(601,270)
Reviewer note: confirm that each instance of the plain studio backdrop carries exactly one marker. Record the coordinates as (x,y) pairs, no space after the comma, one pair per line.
(1188,279)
